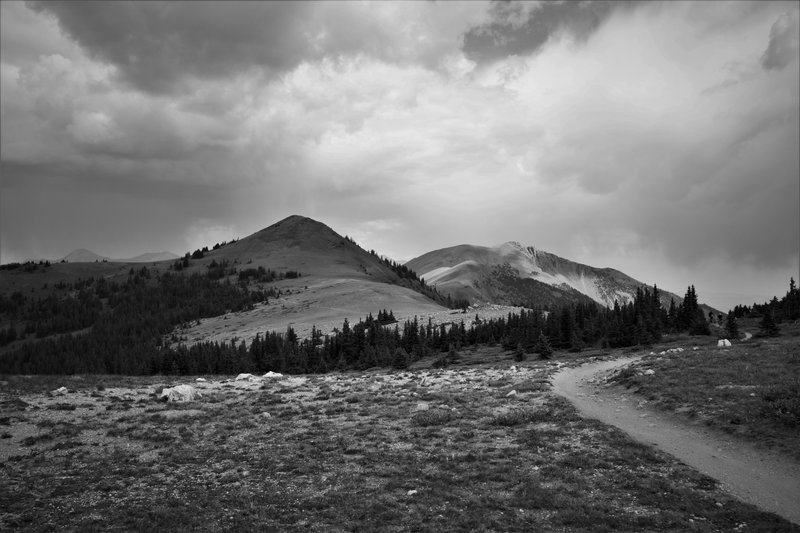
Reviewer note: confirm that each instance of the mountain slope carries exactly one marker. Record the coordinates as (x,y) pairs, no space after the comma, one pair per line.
(310,247)
(338,280)
(149,257)
(506,273)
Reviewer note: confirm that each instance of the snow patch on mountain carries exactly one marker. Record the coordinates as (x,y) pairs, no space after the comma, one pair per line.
(529,263)
(438,273)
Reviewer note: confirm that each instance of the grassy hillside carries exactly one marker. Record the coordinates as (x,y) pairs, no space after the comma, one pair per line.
(750,390)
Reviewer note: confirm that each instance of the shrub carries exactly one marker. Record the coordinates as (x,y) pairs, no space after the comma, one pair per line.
(519,353)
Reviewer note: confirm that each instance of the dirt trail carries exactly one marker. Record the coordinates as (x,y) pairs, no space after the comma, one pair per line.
(766,480)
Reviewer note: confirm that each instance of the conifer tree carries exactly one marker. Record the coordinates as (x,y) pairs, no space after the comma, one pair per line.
(768,327)
(543,347)
(731,327)
(519,353)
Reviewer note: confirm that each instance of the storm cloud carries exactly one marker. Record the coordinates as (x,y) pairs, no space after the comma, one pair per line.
(656,138)
(784,40)
(157,45)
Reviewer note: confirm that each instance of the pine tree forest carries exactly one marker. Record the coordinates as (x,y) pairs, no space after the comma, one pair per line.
(96,326)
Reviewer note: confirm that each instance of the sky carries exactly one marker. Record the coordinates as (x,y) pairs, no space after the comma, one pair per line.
(657,138)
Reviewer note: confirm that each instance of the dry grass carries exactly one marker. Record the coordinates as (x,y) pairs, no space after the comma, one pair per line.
(343,453)
(751,390)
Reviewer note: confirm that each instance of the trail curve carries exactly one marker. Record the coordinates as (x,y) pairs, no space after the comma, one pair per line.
(767,480)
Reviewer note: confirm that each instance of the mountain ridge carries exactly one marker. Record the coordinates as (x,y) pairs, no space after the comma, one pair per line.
(487,273)
(82,255)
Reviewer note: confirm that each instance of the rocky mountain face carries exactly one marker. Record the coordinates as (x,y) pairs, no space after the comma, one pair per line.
(515,274)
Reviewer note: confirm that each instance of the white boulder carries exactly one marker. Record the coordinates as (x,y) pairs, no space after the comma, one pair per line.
(272,375)
(723,343)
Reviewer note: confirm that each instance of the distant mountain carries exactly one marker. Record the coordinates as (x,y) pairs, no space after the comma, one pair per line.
(150,257)
(512,273)
(82,255)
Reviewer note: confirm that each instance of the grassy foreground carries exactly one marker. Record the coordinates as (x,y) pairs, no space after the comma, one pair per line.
(751,390)
(438,450)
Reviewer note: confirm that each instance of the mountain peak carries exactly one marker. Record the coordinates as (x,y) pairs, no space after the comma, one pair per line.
(296,228)
(513,247)
(82,255)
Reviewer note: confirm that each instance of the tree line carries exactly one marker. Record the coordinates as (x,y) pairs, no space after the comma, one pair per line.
(127,336)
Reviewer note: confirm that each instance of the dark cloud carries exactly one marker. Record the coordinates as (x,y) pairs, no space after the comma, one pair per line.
(155,44)
(784,40)
(520,28)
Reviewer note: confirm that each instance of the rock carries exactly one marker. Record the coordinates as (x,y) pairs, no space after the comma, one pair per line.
(179,393)
(61,391)
(412,492)
(512,393)
(649,372)
(243,377)
(272,375)
(723,343)
(422,406)
(201,380)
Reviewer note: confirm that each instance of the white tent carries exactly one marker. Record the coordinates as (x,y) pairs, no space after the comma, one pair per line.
(179,393)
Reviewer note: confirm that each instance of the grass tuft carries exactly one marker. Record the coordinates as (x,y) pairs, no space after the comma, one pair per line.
(517,417)
(433,417)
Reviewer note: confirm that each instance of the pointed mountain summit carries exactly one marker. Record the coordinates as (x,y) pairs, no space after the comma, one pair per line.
(82,255)
(302,244)
(513,273)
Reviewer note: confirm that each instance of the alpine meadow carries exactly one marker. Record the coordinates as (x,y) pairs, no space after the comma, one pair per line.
(400,266)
